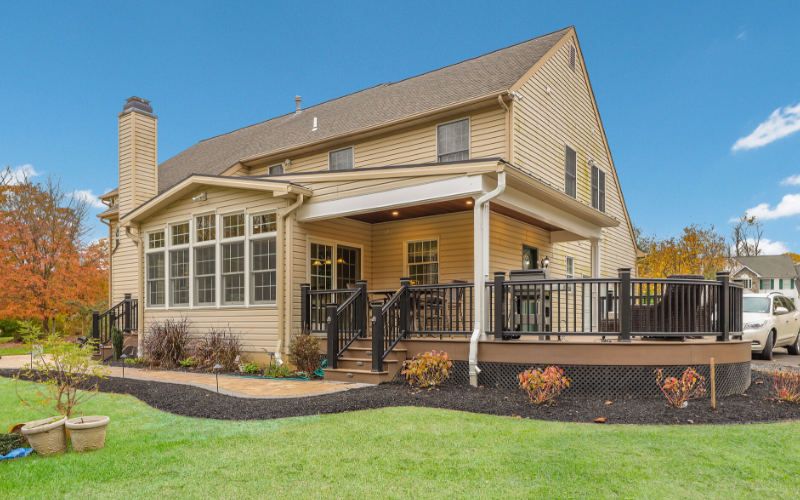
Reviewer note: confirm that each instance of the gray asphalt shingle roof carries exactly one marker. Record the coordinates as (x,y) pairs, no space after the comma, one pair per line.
(770,266)
(493,72)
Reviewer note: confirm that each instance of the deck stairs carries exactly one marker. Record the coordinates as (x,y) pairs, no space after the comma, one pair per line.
(355,364)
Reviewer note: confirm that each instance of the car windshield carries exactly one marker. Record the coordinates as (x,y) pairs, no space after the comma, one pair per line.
(756,305)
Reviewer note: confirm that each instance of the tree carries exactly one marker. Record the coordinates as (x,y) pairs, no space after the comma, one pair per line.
(795,258)
(746,236)
(699,250)
(46,265)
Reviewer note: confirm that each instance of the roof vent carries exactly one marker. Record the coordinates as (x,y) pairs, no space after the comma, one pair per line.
(297,100)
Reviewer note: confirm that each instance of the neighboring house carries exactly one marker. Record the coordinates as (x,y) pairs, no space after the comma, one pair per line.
(767,273)
(374,186)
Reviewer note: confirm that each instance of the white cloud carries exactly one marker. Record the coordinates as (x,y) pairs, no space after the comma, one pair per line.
(780,123)
(789,205)
(769,247)
(792,180)
(87,195)
(19,173)
(741,35)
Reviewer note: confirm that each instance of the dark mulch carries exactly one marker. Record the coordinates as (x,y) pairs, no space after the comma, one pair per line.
(190,401)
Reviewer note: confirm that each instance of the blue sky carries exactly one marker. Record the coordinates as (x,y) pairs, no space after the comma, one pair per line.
(700,100)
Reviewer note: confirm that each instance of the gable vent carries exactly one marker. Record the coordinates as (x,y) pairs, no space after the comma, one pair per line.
(572,57)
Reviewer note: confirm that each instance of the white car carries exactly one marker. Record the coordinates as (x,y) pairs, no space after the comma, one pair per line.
(771,320)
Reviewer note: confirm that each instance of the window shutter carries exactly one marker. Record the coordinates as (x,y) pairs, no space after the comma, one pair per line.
(772,284)
(595,188)
(792,285)
(570,172)
(602,192)
(760,284)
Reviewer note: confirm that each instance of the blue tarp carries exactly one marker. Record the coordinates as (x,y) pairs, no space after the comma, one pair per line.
(19,452)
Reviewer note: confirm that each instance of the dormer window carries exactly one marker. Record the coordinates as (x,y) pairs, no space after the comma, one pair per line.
(452,141)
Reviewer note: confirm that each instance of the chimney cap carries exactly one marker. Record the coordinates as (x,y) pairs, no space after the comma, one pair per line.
(297,100)
(134,103)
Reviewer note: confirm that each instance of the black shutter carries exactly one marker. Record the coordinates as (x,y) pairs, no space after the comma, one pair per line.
(602,191)
(570,173)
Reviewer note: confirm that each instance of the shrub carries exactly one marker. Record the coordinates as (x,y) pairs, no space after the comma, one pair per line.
(117,339)
(188,362)
(251,367)
(304,353)
(167,343)
(11,328)
(219,346)
(277,371)
(65,379)
(542,386)
(427,370)
(679,391)
(786,385)
(136,361)
(10,442)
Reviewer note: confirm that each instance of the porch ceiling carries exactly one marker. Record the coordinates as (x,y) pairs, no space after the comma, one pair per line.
(413,212)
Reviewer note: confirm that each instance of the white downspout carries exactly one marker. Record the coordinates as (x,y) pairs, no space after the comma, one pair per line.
(286,263)
(480,221)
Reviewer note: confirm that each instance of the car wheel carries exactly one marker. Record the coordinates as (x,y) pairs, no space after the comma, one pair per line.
(768,345)
(794,349)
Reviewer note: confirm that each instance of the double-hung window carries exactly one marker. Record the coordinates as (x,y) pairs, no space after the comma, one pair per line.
(598,189)
(263,259)
(233,259)
(179,265)
(570,172)
(452,141)
(156,291)
(422,260)
(205,277)
(341,159)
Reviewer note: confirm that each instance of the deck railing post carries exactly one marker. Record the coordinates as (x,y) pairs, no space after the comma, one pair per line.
(96,327)
(377,337)
(405,306)
(126,312)
(362,308)
(625,304)
(333,334)
(724,307)
(499,306)
(305,310)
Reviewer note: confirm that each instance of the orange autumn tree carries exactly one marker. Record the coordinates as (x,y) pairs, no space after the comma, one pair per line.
(699,250)
(47,267)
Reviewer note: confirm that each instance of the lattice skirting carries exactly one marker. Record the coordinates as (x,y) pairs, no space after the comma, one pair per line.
(630,381)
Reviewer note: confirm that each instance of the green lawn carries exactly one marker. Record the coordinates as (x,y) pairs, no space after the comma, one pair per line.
(3,340)
(402,453)
(13,351)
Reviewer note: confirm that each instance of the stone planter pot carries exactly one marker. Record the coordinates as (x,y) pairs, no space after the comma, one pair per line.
(88,433)
(47,436)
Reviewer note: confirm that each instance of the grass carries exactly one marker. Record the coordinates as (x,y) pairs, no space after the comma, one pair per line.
(402,453)
(3,340)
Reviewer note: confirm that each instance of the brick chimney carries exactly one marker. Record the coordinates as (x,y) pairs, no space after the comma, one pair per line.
(138,154)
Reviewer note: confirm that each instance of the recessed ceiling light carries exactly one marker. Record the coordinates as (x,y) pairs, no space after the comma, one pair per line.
(469,202)
(395,213)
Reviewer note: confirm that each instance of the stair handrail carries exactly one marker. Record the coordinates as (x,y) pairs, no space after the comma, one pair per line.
(383,319)
(336,315)
(123,315)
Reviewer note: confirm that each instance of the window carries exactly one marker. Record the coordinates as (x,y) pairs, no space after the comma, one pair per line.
(570,172)
(423,262)
(570,272)
(206,228)
(233,273)
(233,226)
(155,279)
(179,277)
(747,282)
(341,159)
(265,223)
(264,285)
(205,275)
(348,266)
(452,141)
(598,189)
(276,169)
(321,266)
(180,234)
(156,240)
(572,57)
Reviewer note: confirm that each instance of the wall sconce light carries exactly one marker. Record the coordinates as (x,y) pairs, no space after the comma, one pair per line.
(201,197)
(545,262)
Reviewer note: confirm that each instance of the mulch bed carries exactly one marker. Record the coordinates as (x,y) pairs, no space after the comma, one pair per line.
(190,401)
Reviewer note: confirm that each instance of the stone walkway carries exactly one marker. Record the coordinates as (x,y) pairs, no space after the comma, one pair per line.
(232,385)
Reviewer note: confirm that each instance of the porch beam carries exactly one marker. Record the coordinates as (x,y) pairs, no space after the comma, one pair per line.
(564,237)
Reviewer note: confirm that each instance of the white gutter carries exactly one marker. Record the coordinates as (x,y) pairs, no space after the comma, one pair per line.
(480,225)
(286,238)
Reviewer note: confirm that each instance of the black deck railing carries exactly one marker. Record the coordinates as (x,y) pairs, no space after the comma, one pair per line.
(124,316)
(343,323)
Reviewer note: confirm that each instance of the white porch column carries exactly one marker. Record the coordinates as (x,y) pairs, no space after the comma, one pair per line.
(595,253)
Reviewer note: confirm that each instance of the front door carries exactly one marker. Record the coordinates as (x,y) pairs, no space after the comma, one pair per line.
(530,257)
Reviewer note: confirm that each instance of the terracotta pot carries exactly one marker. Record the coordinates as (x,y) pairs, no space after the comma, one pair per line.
(47,436)
(88,433)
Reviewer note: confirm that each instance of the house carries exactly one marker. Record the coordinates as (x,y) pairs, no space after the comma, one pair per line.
(490,165)
(767,273)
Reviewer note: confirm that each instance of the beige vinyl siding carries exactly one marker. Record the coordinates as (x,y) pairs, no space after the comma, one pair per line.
(123,269)
(324,191)
(410,146)
(257,325)
(544,123)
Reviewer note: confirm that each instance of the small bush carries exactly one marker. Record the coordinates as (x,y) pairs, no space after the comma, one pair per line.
(542,386)
(117,339)
(167,343)
(277,371)
(304,353)
(679,391)
(251,367)
(136,361)
(10,442)
(11,328)
(786,385)
(188,363)
(219,346)
(427,370)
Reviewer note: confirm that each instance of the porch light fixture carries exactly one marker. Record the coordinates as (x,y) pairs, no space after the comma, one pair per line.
(469,202)
(217,367)
(201,197)
(545,262)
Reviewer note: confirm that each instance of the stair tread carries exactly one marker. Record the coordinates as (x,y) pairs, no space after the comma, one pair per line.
(366,359)
(360,372)
(370,348)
